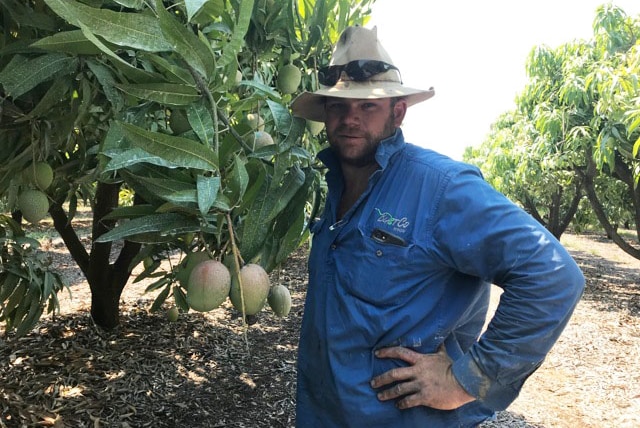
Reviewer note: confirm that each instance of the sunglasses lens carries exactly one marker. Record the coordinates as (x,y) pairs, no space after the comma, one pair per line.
(368,69)
(328,76)
(363,70)
(359,71)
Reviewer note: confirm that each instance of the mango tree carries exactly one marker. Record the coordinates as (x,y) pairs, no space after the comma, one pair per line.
(176,103)
(582,123)
(514,160)
(616,120)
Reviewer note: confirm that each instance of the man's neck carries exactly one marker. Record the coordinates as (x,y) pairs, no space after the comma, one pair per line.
(356,180)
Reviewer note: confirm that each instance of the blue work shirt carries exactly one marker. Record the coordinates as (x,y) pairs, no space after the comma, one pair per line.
(411,264)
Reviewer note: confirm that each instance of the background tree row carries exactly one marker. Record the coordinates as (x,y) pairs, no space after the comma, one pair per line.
(568,153)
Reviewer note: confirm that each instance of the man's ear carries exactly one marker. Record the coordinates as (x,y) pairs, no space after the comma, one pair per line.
(399,111)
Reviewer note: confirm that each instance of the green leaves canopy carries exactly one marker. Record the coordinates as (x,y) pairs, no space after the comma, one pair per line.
(576,130)
(152,96)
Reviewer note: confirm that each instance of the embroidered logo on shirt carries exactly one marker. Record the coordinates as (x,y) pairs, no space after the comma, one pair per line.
(398,224)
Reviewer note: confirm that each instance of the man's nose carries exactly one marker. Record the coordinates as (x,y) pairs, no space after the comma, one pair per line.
(350,116)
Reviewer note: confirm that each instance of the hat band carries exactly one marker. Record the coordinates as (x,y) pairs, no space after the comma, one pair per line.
(358,71)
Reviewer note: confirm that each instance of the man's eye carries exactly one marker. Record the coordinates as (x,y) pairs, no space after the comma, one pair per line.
(334,107)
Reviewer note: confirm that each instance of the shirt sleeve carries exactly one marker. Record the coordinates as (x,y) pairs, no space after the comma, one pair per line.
(480,232)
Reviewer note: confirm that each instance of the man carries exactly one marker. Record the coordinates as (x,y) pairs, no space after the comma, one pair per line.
(401,265)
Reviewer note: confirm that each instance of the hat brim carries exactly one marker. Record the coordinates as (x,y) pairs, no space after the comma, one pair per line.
(310,105)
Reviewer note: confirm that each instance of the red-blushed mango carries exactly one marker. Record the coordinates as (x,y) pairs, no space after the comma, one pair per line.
(208,286)
(255,289)
(187,265)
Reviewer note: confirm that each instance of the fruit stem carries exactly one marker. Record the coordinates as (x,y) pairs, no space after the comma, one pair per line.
(237,260)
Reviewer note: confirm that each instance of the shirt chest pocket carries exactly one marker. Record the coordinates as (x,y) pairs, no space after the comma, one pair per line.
(382,268)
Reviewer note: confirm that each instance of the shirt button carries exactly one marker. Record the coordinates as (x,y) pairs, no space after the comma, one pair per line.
(334,246)
(379,253)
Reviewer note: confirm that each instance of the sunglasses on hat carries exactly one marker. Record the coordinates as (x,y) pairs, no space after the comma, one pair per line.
(358,70)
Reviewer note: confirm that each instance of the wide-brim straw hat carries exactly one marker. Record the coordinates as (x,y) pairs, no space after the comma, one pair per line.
(358,43)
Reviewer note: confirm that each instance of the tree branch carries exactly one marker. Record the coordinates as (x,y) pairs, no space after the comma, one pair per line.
(589,186)
(70,237)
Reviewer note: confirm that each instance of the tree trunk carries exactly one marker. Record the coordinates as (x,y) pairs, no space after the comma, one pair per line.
(623,172)
(106,280)
(558,222)
(588,180)
(554,213)
(573,206)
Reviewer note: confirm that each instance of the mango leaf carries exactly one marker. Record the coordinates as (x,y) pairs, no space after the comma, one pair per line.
(31,318)
(294,135)
(281,117)
(107,81)
(130,212)
(180,298)
(170,71)
(129,70)
(162,296)
(19,76)
(135,30)
(255,229)
(320,16)
(149,224)
(51,98)
(115,139)
(290,227)
(257,172)
(133,181)
(282,194)
(193,7)
(266,152)
(24,15)
(292,127)
(262,88)
(295,233)
(291,224)
(72,42)
(179,151)
(211,8)
(301,153)
(162,93)
(132,4)
(231,50)
(174,191)
(185,43)
(207,191)
(201,122)
(133,156)
(237,181)
(635,124)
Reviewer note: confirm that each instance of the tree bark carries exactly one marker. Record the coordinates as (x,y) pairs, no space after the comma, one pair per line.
(588,180)
(623,172)
(106,280)
(573,207)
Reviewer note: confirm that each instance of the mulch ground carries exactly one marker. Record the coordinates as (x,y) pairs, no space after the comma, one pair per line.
(210,370)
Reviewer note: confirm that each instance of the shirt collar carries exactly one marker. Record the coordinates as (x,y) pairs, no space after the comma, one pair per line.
(386,149)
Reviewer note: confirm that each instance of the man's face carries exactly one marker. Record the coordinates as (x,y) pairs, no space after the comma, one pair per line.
(355,127)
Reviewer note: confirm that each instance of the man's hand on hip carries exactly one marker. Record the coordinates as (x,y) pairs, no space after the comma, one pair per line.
(427,381)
